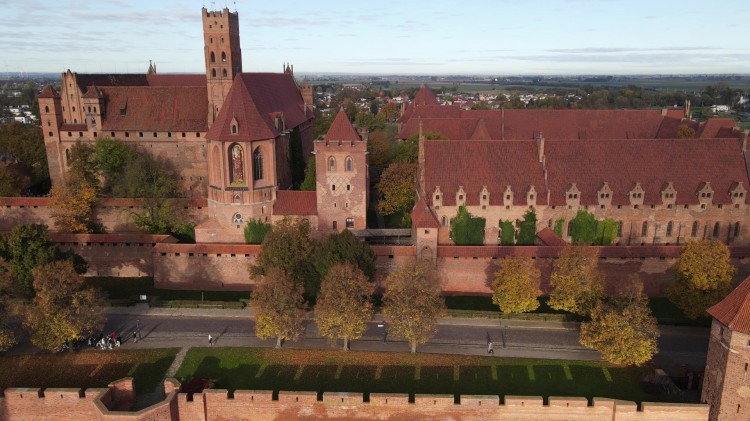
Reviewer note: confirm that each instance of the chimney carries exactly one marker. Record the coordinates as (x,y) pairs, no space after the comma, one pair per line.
(540,146)
(688,113)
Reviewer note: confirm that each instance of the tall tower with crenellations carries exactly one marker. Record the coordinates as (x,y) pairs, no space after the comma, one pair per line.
(221,40)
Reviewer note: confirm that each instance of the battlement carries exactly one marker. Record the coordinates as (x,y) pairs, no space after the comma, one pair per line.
(118,398)
(220,14)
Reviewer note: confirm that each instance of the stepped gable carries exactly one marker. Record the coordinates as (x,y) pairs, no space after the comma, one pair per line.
(48,92)
(474,164)
(422,216)
(734,310)
(295,202)
(255,100)
(687,163)
(717,127)
(342,129)
(155,109)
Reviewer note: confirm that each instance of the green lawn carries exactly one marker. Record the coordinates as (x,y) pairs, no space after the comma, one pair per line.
(370,372)
(86,369)
(126,288)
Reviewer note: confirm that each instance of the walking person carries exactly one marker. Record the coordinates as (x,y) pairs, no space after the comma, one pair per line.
(210,340)
(490,350)
(135,337)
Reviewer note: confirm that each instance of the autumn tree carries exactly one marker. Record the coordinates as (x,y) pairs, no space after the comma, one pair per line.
(24,144)
(343,307)
(685,132)
(12,181)
(344,247)
(9,292)
(389,112)
(63,308)
(467,229)
(623,328)
(396,188)
(704,277)
(407,151)
(288,247)
(310,182)
(576,281)
(279,307)
(72,204)
(412,303)
(378,145)
(516,285)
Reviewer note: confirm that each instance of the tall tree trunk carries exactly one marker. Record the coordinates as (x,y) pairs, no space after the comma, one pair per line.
(413,347)
(278,342)
(346,344)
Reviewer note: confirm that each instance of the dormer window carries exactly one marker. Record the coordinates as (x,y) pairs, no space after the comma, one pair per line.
(508,196)
(531,196)
(737,194)
(437,197)
(636,195)
(235,126)
(573,195)
(460,195)
(705,195)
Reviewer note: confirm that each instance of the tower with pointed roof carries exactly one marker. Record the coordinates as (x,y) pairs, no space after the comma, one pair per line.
(342,178)
(221,39)
(726,385)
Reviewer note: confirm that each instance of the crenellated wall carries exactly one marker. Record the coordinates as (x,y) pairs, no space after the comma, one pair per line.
(105,404)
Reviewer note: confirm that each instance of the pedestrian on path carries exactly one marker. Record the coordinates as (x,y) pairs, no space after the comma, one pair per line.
(135,337)
(489,349)
(210,340)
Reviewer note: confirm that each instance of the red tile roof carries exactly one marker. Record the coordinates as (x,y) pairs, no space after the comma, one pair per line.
(176,80)
(687,163)
(553,124)
(550,237)
(451,128)
(48,92)
(155,109)
(424,96)
(254,101)
(423,217)
(56,237)
(110,79)
(734,310)
(670,126)
(476,163)
(342,129)
(717,127)
(294,202)
(92,92)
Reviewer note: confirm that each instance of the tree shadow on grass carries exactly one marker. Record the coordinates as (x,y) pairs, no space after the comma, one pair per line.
(395,379)
(476,380)
(320,378)
(356,378)
(436,379)
(147,375)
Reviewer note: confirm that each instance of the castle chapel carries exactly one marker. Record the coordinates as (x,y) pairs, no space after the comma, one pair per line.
(234,138)
(237,139)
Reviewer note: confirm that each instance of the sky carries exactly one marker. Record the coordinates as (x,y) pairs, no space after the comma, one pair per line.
(427,37)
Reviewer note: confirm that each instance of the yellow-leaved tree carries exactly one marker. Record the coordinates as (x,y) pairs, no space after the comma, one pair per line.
(516,285)
(623,328)
(343,307)
(72,203)
(279,307)
(704,277)
(63,308)
(412,303)
(576,281)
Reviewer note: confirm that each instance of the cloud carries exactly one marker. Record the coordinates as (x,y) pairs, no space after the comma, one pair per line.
(589,50)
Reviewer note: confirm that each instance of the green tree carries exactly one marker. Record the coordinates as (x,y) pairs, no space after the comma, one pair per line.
(343,308)
(559,224)
(466,229)
(606,231)
(583,228)
(507,233)
(110,157)
(26,248)
(288,247)
(63,308)
(83,162)
(309,183)
(344,247)
(255,231)
(396,188)
(407,150)
(378,145)
(9,291)
(516,285)
(412,303)
(623,329)
(576,281)
(704,277)
(527,228)
(25,143)
(279,307)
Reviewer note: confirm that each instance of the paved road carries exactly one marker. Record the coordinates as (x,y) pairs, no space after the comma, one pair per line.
(512,338)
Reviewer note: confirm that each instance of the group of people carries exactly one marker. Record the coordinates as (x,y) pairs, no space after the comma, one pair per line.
(113,340)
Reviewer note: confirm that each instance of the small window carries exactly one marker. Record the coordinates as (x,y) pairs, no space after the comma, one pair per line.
(348,187)
(224,72)
(669,229)
(335,225)
(197,134)
(437,197)
(644,229)
(460,197)
(127,134)
(694,230)
(350,223)
(484,197)
(155,134)
(716,229)
(234,129)
(348,164)
(46,108)
(183,134)
(223,57)
(736,229)
(213,72)
(333,187)
(213,58)
(140,134)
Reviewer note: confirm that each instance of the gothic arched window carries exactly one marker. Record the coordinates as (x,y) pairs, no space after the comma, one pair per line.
(213,57)
(224,72)
(257,165)
(694,231)
(644,229)
(348,164)
(213,72)
(669,229)
(46,108)
(331,164)
(736,229)
(237,164)
(223,57)
(716,229)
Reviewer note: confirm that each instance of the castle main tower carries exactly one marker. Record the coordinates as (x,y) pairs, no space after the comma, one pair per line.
(221,40)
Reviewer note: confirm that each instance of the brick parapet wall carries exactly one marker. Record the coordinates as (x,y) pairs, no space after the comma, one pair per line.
(74,404)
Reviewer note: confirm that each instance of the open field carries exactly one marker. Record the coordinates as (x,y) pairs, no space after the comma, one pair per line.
(371,372)
(86,369)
